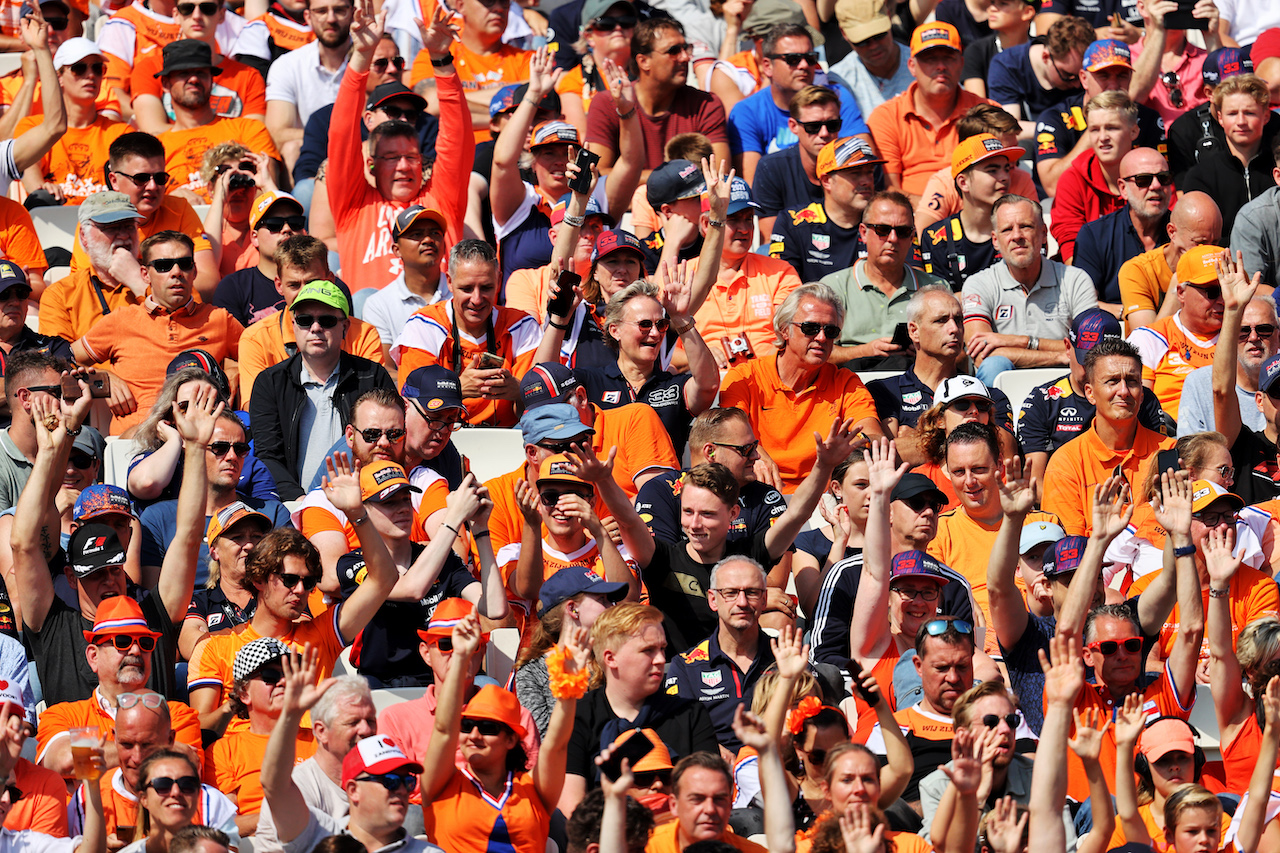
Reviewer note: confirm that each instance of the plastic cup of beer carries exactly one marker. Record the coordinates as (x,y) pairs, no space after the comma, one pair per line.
(84,741)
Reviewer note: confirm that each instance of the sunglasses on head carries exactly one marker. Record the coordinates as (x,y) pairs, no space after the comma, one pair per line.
(269,675)
(794,59)
(124,642)
(488,728)
(380,65)
(393,781)
(919,503)
(276,224)
(407,114)
(904,232)
(1264,330)
(832,125)
(1212,292)
(1144,179)
(81,461)
(82,68)
(147,700)
(1132,645)
(648,778)
(810,329)
(326,321)
(993,720)
(186,10)
(144,178)
(222,448)
(609,23)
(550,497)
(186,264)
(966,403)
(163,785)
(938,627)
(309,582)
(1173,84)
(371,436)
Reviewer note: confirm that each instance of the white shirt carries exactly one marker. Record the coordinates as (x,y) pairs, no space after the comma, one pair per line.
(298,78)
(1046,311)
(392,306)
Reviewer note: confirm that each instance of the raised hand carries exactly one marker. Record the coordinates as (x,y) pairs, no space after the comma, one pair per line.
(789,652)
(527,501)
(302,685)
(719,186)
(439,33)
(1005,827)
(463,501)
(883,471)
(1063,669)
(50,427)
(839,443)
(196,424)
(584,463)
(1173,506)
(677,290)
(620,86)
(859,837)
(1112,507)
(1130,720)
(480,518)
(616,788)
(1219,557)
(577,642)
(1237,287)
(543,74)
(1017,489)
(966,768)
(1271,703)
(750,730)
(34,29)
(341,485)
(367,27)
(1091,725)
(467,636)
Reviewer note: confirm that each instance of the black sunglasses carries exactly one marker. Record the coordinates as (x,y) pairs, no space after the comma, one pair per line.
(124,642)
(54,391)
(1173,84)
(1132,645)
(16,291)
(57,24)
(867,42)
(558,446)
(380,65)
(609,23)
(144,178)
(550,497)
(407,114)
(445,644)
(186,264)
(832,125)
(162,785)
(647,778)
(810,329)
(276,224)
(222,448)
(82,461)
(964,404)
(794,59)
(993,720)
(326,321)
(919,503)
(1212,292)
(269,675)
(904,232)
(1264,330)
(677,49)
(393,781)
(81,68)
(818,757)
(746,451)
(488,728)
(308,582)
(371,436)
(186,10)
(1143,179)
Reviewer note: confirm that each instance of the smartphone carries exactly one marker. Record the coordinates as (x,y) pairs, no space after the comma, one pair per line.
(1182,19)
(581,183)
(491,361)
(632,749)
(99,387)
(1168,459)
(900,336)
(871,697)
(561,301)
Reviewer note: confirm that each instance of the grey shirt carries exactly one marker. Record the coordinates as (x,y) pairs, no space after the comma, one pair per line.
(1195,411)
(1059,294)
(327,802)
(1256,234)
(15,470)
(321,424)
(869,90)
(869,312)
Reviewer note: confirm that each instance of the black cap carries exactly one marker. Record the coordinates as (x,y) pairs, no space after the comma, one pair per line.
(914,484)
(674,180)
(550,101)
(392,90)
(92,548)
(201,360)
(186,54)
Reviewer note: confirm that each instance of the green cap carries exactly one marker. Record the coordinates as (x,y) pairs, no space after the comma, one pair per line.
(324,292)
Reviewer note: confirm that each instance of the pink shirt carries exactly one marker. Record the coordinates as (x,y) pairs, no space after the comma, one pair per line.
(1190,83)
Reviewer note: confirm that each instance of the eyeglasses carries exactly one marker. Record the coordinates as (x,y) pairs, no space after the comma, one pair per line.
(648,326)
(186,264)
(677,49)
(407,114)
(186,10)
(648,778)
(930,594)
(1144,179)
(904,232)
(54,391)
(1174,85)
(124,642)
(394,159)
(966,403)
(380,65)
(832,125)
(1212,292)
(149,699)
(81,68)
(550,497)
(488,728)
(372,436)
(1226,472)
(608,24)
(144,178)
(1132,645)
(437,424)
(746,451)
(326,321)
(82,461)
(309,582)
(993,720)
(393,781)
(162,785)
(1264,330)
(222,448)
(1213,519)
(794,59)
(730,593)
(14,792)
(1071,80)
(17,292)
(938,627)
(269,676)
(243,166)
(919,503)
(276,224)
(810,329)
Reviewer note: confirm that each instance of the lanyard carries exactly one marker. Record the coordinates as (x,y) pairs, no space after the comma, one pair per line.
(489,344)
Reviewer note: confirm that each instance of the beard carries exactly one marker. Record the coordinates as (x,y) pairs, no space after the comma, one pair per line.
(337,39)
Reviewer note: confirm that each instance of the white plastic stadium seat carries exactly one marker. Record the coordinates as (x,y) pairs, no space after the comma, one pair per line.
(1018,384)
(10,62)
(119,454)
(386,697)
(500,656)
(493,451)
(870,375)
(56,226)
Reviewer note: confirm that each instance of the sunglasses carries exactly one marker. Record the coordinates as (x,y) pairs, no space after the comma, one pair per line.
(608,23)
(558,446)
(222,448)
(993,720)
(904,232)
(677,49)
(919,503)
(551,497)
(1264,330)
(794,59)
(870,41)
(488,728)
(326,321)
(81,461)
(647,779)
(57,24)
(276,224)
(270,676)
(17,292)
(746,451)
(162,785)
(1212,292)
(967,403)
(54,391)
(938,627)
(372,436)
(393,781)
(380,65)
(810,329)
(1213,519)
(1226,472)
(832,125)
(407,114)
(186,10)
(81,68)
(1173,84)
(124,642)
(14,792)
(1132,645)
(144,178)
(1144,179)
(817,757)
(309,582)
(930,594)
(186,264)
(648,326)
(146,700)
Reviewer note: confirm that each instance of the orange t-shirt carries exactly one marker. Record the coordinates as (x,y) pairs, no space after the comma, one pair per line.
(1158,841)
(57,721)
(1169,352)
(785,420)
(478,72)
(130,33)
(11,83)
(317,514)
(43,807)
(233,765)
(1085,461)
(238,91)
(77,160)
(463,816)
(184,149)
(71,305)
(174,214)
(270,341)
(18,240)
(744,303)
(428,339)
(665,840)
(643,443)
(1253,595)
(903,842)
(140,340)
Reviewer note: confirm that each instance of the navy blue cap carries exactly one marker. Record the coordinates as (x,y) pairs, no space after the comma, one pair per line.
(549,382)
(1064,557)
(1270,370)
(558,421)
(1090,327)
(1223,63)
(740,197)
(435,388)
(201,360)
(917,564)
(674,180)
(570,581)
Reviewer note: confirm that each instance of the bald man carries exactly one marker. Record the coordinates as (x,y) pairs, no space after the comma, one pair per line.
(1269,71)
(1145,281)
(1195,412)
(1256,233)
(1104,244)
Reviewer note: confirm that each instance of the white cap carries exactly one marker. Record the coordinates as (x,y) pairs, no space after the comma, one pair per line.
(959,387)
(1038,533)
(73,50)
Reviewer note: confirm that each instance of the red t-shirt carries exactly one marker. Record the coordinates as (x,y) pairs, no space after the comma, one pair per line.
(691,111)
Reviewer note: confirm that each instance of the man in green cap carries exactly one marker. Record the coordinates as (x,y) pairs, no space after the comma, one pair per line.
(301,406)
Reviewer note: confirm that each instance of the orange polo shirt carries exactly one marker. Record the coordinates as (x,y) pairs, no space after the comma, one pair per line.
(18,240)
(1253,596)
(43,807)
(1169,352)
(478,72)
(785,420)
(1144,279)
(174,214)
(271,340)
(233,765)
(71,305)
(77,159)
(1085,461)
(911,146)
(140,340)
(743,303)
(57,721)
(664,840)
(184,149)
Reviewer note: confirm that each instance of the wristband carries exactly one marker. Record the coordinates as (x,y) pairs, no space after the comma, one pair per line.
(574,221)
(626,115)
(1188,551)
(443,62)
(451,527)
(356,522)
(483,534)
(73,433)
(1219,593)
(715,223)
(564,327)
(688,327)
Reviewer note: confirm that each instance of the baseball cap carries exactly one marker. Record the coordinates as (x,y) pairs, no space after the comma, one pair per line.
(447,614)
(436,389)
(102,499)
(674,180)
(106,207)
(558,421)
(254,655)
(383,479)
(934,34)
(984,146)
(959,387)
(119,614)
(90,441)
(917,564)
(659,758)
(492,702)
(616,240)
(1165,736)
(549,382)
(594,9)
(740,197)
(201,360)
(375,755)
(94,547)
(912,485)
(1064,557)
(266,201)
(231,515)
(573,580)
(557,469)
(504,99)
(1198,265)
(848,152)
(552,132)
(1107,53)
(11,275)
(1270,371)
(862,19)
(1265,46)
(1090,327)
(767,14)
(390,91)
(1205,493)
(1037,533)
(1223,63)
(594,208)
(411,214)
(324,292)
(186,55)
(74,50)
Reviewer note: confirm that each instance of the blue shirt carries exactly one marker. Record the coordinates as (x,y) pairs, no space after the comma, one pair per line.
(758,124)
(707,674)
(781,183)
(1103,245)
(1054,413)
(1012,80)
(160,525)
(905,398)
(658,503)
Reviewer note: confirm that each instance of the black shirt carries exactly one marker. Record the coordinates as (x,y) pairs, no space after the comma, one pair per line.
(977,57)
(1197,133)
(781,183)
(957,14)
(1229,183)
(949,254)
(218,611)
(1254,458)
(664,393)
(658,503)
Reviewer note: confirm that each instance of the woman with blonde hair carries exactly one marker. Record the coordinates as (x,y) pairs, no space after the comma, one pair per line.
(236,177)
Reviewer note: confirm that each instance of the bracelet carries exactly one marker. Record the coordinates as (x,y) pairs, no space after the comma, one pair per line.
(1187,551)
(356,522)
(565,685)
(445,62)
(1033,343)
(715,223)
(74,432)
(451,527)
(626,115)
(686,328)
(483,534)
(574,221)
(564,327)
(1219,593)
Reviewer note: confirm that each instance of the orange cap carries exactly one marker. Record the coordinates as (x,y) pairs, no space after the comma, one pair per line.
(984,146)
(935,34)
(1199,264)
(848,152)
(492,702)
(557,469)
(659,758)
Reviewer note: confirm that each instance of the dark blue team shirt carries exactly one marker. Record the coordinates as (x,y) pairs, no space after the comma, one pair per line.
(1012,80)
(950,255)
(905,398)
(1054,413)
(658,503)
(813,244)
(664,393)
(1102,247)
(781,183)
(707,674)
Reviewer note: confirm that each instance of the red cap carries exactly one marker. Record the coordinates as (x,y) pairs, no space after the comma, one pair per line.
(375,755)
